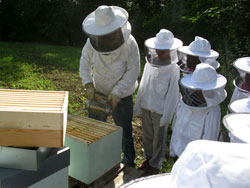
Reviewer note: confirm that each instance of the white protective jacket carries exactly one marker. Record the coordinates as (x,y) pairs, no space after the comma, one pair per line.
(237,94)
(159,91)
(116,72)
(193,123)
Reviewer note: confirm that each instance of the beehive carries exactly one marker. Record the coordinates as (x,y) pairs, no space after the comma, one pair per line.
(32,118)
(95,148)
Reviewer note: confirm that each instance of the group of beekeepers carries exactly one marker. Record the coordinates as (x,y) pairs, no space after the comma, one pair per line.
(179,84)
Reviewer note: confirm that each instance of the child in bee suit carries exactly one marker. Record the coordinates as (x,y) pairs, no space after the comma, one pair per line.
(198,51)
(242,82)
(158,95)
(198,112)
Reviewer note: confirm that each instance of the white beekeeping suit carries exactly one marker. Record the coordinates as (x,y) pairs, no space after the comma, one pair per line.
(116,72)
(159,91)
(198,112)
(242,85)
(158,94)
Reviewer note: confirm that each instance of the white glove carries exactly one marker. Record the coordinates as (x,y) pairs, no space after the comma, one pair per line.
(113,100)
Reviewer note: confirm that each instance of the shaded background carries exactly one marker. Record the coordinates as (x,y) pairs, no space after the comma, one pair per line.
(225,23)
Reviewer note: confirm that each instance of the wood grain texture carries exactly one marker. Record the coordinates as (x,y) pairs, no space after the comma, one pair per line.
(30,137)
(16,100)
(88,130)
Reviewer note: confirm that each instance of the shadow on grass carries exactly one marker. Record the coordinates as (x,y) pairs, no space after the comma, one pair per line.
(10,71)
(45,56)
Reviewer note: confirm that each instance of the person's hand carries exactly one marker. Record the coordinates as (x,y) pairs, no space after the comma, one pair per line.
(90,91)
(113,100)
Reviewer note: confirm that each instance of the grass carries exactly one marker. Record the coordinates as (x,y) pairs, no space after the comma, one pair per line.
(42,67)
(35,66)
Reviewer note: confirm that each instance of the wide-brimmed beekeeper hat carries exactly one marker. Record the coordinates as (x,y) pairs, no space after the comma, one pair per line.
(204,77)
(199,47)
(239,105)
(105,20)
(164,40)
(242,64)
(238,126)
(204,164)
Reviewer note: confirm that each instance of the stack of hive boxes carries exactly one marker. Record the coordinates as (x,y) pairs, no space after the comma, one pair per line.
(32,128)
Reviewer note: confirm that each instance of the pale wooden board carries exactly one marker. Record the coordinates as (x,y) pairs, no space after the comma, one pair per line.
(31,138)
(31,120)
(18,100)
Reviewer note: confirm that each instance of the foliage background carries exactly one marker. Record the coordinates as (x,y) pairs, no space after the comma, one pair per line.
(222,22)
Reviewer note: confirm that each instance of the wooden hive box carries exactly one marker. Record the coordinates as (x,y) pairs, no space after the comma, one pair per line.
(31,118)
(95,148)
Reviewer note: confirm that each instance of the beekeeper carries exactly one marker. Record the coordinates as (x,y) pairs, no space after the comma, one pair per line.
(198,113)
(198,51)
(242,82)
(158,95)
(110,64)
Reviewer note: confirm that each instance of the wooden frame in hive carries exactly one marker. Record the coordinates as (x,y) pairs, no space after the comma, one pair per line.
(33,118)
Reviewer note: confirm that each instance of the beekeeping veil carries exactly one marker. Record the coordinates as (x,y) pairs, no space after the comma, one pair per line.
(163,42)
(107,27)
(204,87)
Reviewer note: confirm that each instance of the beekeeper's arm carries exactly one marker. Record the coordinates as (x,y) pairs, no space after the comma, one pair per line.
(172,98)
(85,70)
(132,71)
(212,124)
(86,64)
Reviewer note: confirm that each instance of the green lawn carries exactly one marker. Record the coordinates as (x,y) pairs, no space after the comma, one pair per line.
(36,66)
